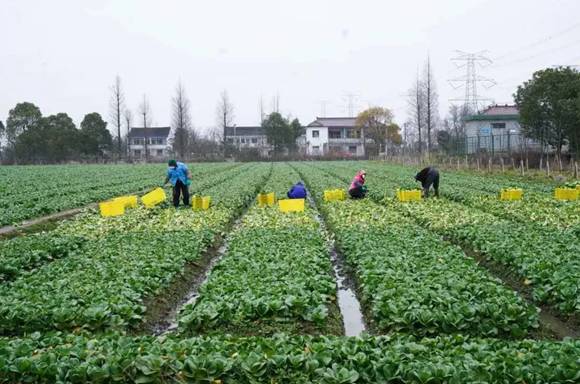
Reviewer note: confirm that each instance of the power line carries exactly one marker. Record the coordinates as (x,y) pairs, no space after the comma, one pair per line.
(471,61)
(538,42)
(531,57)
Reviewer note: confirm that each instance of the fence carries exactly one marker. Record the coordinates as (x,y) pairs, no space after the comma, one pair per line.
(491,144)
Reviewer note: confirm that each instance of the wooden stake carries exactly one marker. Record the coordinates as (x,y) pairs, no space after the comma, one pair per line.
(478,163)
(502,165)
(548,167)
(522,167)
(575,169)
(489,164)
(513,164)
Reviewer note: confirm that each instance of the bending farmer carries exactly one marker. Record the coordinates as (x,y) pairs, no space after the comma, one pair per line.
(357,188)
(180,178)
(428,177)
(298,191)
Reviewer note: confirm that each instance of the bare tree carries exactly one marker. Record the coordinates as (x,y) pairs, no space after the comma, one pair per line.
(416,112)
(431,103)
(116,114)
(128,116)
(145,113)
(225,115)
(455,120)
(181,122)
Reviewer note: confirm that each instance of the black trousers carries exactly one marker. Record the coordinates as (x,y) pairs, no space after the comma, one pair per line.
(178,190)
(357,193)
(431,180)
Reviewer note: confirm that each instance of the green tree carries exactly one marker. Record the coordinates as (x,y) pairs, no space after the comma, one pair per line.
(280,132)
(296,130)
(373,122)
(549,108)
(95,137)
(62,137)
(21,118)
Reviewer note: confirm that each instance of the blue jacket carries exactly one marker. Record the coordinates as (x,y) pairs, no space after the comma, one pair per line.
(298,191)
(177,173)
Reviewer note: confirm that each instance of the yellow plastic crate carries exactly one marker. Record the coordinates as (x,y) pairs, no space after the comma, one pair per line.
(200,203)
(511,194)
(154,197)
(129,201)
(112,208)
(567,194)
(291,205)
(334,195)
(409,195)
(266,199)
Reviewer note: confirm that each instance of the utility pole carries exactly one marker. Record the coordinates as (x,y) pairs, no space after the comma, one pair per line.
(471,62)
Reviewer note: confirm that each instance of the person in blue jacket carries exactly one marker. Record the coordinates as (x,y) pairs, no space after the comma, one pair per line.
(180,177)
(298,191)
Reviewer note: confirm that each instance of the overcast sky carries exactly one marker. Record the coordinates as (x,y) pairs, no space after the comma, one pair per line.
(64,55)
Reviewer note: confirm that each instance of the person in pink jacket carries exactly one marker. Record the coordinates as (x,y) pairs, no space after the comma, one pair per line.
(357,188)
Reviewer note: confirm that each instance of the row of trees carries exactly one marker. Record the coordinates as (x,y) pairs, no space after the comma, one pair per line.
(33,138)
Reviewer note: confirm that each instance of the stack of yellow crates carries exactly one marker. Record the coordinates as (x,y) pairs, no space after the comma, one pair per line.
(409,195)
(511,194)
(291,205)
(200,203)
(156,196)
(567,194)
(112,208)
(266,199)
(334,195)
(129,201)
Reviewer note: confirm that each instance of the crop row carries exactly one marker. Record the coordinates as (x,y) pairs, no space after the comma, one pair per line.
(539,208)
(547,260)
(412,281)
(31,251)
(104,284)
(29,192)
(274,276)
(285,359)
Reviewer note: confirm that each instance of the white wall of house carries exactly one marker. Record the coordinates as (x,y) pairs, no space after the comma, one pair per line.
(157,147)
(493,135)
(317,141)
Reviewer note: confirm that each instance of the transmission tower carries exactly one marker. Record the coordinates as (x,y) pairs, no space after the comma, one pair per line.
(350,100)
(471,62)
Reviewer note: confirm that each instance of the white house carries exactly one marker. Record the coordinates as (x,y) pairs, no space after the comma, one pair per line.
(157,143)
(496,129)
(248,138)
(338,135)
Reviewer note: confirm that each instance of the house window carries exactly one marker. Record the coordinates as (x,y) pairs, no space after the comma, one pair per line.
(160,152)
(498,125)
(352,148)
(230,139)
(353,134)
(334,134)
(315,149)
(255,140)
(315,134)
(137,152)
(243,141)
(138,141)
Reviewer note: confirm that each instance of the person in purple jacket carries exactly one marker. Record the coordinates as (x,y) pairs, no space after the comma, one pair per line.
(298,191)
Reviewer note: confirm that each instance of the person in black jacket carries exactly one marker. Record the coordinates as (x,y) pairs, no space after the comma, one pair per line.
(428,177)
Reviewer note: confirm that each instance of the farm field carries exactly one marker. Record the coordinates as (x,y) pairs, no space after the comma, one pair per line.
(242,293)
